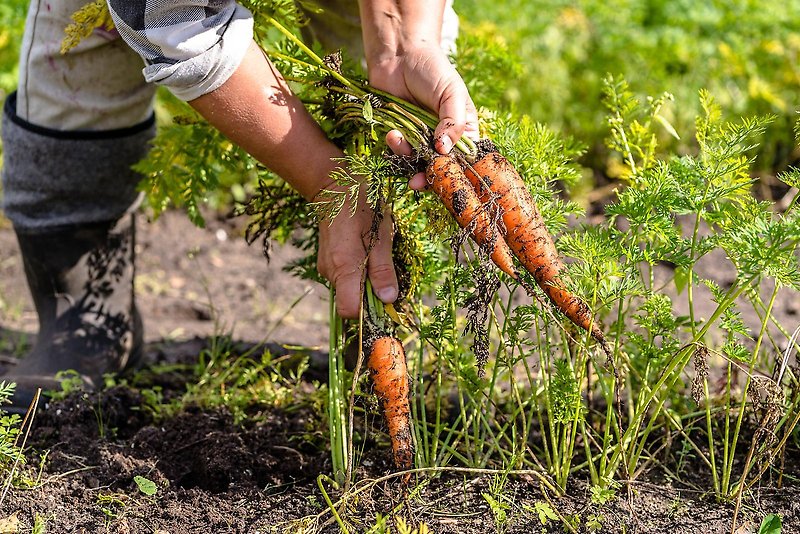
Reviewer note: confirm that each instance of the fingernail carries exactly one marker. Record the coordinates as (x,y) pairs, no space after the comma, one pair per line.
(446,143)
(399,140)
(387,294)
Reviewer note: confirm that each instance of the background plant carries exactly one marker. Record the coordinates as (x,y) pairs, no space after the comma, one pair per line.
(745,53)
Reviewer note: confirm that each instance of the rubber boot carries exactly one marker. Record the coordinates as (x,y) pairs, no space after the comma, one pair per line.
(70,136)
(81,280)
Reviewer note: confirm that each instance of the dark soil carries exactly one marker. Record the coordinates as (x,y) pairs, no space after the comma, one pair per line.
(214,475)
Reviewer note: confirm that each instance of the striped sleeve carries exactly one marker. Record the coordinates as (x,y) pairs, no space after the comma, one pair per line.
(190,46)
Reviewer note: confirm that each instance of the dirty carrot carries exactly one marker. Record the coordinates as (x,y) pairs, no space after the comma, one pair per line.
(493,177)
(448,181)
(387,368)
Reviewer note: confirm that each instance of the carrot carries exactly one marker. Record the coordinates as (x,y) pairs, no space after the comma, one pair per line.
(493,177)
(387,368)
(447,178)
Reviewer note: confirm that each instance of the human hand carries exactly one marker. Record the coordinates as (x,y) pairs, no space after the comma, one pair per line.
(424,75)
(342,256)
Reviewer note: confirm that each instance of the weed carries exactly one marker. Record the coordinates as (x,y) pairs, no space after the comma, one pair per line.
(771,524)
(404,527)
(499,502)
(14,432)
(102,428)
(145,485)
(9,429)
(677,507)
(594,522)
(70,382)
(601,495)
(243,379)
(111,505)
(544,512)
(313,501)
(39,524)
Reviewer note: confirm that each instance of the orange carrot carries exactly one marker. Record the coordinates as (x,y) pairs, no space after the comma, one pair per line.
(493,176)
(387,367)
(446,177)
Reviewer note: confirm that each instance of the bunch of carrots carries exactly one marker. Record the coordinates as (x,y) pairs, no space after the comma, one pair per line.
(485,195)
(490,200)
(472,192)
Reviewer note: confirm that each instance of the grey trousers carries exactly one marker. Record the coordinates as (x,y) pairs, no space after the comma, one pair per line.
(74,127)
(78,121)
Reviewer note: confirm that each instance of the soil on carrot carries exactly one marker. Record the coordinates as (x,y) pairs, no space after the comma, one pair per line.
(213,473)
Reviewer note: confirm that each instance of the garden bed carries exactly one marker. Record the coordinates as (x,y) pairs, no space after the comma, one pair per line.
(218,472)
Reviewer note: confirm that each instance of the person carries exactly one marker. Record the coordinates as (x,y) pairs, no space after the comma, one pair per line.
(77,122)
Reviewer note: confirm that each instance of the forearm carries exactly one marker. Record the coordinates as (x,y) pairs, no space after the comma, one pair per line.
(390,26)
(256,110)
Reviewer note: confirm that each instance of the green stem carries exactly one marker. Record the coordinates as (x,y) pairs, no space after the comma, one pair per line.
(712,457)
(677,362)
(336,422)
(752,365)
(544,378)
(310,53)
(726,466)
(294,60)
(331,507)
(420,416)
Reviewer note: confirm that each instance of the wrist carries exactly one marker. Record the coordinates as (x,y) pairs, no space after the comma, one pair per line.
(385,54)
(318,180)
(391,28)
(310,166)
(394,73)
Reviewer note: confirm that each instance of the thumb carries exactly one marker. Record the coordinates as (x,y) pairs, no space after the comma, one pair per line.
(380,267)
(453,106)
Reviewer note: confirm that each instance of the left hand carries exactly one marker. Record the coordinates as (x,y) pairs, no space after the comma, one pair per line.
(342,256)
(425,76)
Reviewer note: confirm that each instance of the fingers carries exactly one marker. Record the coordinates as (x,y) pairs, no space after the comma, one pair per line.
(425,75)
(348,292)
(346,275)
(401,147)
(471,129)
(380,267)
(457,116)
(418,182)
(397,143)
(340,259)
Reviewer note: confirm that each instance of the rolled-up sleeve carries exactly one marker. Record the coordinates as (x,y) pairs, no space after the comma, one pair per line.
(191,47)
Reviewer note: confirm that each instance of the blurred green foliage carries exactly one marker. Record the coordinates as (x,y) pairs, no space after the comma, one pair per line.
(12,19)
(744,52)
